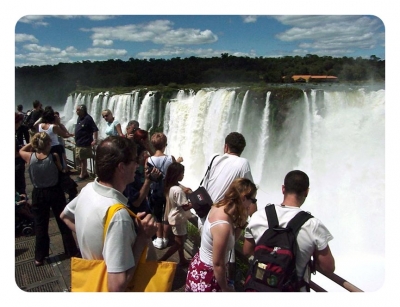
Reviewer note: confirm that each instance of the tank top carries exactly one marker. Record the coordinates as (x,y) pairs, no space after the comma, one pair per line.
(206,245)
(53,136)
(43,173)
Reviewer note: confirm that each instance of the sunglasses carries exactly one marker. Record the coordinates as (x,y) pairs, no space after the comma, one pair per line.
(105,116)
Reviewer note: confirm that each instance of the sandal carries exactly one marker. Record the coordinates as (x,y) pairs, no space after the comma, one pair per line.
(39,263)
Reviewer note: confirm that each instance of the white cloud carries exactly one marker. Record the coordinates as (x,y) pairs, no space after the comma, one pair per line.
(47,55)
(158,32)
(20,38)
(249,18)
(99,17)
(102,42)
(36,20)
(38,48)
(334,35)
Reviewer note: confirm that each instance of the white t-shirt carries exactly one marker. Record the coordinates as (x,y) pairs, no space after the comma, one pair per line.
(313,235)
(174,211)
(89,209)
(224,170)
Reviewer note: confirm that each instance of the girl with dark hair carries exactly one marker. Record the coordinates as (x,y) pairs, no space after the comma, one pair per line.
(226,220)
(176,211)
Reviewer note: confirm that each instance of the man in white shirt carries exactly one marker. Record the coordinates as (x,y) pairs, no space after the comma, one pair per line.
(224,170)
(116,163)
(313,236)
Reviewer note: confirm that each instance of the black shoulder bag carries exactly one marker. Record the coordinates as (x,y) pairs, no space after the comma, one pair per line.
(200,199)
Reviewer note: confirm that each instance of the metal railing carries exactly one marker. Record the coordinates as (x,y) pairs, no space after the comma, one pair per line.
(71,160)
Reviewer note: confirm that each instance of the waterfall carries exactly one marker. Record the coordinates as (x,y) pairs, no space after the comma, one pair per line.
(146,112)
(263,147)
(336,137)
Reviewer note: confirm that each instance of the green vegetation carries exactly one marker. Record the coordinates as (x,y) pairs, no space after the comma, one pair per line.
(51,84)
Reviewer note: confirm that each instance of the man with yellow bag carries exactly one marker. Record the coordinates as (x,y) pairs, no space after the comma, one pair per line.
(119,245)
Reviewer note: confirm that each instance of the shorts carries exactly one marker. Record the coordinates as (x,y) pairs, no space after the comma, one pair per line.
(179,230)
(157,208)
(83,153)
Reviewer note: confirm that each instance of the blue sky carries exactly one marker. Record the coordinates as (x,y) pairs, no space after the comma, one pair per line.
(50,39)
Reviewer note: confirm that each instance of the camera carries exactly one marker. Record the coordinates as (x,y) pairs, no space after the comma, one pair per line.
(153,177)
(149,167)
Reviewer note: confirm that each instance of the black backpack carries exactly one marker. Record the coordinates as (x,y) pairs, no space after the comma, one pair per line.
(157,187)
(28,118)
(273,268)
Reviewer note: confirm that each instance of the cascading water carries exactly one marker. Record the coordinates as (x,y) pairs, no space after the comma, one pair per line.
(338,140)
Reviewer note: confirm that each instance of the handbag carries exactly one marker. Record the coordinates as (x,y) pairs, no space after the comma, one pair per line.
(200,199)
(150,276)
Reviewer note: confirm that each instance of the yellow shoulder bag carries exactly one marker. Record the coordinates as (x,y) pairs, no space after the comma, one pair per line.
(150,276)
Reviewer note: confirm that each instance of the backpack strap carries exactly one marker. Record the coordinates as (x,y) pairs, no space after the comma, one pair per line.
(162,165)
(298,221)
(110,213)
(208,169)
(271,216)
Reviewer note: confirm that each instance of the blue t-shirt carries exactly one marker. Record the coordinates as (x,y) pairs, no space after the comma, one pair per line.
(111,130)
(84,129)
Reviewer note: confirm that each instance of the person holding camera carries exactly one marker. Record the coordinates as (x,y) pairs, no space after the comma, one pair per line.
(137,191)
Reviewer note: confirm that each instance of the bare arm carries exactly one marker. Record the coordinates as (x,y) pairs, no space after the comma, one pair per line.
(61,132)
(220,234)
(25,152)
(179,160)
(58,162)
(324,260)
(95,134)
(248,247)
(118,127)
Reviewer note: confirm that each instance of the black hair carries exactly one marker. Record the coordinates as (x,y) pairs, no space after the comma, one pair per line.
(236,142)
(48,116)
(296,182)
(110,152)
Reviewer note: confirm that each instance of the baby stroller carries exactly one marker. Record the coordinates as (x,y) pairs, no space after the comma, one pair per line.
(24,221)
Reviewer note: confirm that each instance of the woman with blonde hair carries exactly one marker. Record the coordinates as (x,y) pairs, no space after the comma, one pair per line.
(44,168)
(113,125)
(226,220)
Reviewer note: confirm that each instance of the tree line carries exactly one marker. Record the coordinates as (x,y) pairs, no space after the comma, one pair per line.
(57,81)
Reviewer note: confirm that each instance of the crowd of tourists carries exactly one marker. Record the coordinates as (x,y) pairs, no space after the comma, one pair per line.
(132,169)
